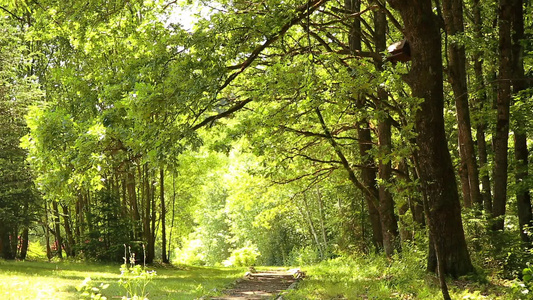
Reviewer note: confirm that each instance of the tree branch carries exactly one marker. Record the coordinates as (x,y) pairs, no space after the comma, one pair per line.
(302,12)
(221,115)
(344,161)
(12,14)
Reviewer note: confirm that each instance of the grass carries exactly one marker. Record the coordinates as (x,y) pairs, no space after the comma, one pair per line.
(365,277)
(58,280)
(375,277)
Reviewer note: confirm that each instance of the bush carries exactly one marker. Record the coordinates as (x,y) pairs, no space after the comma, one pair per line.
(304,256)
(190,254)
(36,251)
(243,257)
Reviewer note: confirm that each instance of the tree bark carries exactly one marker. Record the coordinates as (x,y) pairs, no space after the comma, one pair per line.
(164,257)
(320,203)
(453,17)
(24,243)
(6,251)
(147,215)
(77,210)
(57,228)
(153,217)
(502,121)
(368,175)
(368,178)
(523,197)
(69,245)
(463,177)
(481,123)
(435,166)
(389,221)
(46,228)
(307,217)
(132,197)
(173,215)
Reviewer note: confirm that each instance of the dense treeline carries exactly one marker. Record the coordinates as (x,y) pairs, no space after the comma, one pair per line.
(329,143)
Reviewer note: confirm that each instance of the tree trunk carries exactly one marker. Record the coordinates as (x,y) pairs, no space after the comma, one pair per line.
(523,197)
(406,231)
(368,175)
(453,16)
(87,210)
(24,243)
(164,257)
(368,178)
(502,122)
(389,222)
(416,204)
(69,246)
(463,177)
(77,210)
(6,251)
(481,123)
(307,217)
(132,196)
(57,228)
(25,231)
(146,215)
(435,166)
(153,217)
(46,228)
(173,216)
(322,218)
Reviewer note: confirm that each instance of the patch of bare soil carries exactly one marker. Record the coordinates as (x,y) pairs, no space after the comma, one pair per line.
(262,285)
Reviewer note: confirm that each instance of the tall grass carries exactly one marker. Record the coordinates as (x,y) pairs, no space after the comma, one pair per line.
(404,277)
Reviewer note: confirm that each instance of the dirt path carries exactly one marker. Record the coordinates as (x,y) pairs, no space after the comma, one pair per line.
(262,285)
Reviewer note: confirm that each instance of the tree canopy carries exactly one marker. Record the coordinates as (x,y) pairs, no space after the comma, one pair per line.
(287,128)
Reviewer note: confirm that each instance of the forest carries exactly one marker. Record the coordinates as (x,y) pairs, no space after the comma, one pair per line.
(272,133)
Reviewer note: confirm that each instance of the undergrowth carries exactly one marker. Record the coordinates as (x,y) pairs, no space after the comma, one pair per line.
(403,277)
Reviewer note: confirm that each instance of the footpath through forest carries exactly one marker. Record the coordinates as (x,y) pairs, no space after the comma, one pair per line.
(263,285)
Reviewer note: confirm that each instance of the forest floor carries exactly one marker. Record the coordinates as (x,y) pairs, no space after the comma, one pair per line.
(263,285)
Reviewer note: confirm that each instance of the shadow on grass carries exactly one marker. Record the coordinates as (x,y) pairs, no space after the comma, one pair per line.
(61,278)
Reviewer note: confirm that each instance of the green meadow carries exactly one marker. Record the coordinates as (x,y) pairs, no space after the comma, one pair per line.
(58,280)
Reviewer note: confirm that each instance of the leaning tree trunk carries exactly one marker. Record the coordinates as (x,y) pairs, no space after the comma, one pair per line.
(435,166)
(502,122)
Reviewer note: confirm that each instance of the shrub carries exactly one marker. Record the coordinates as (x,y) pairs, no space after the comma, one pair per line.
(304,256)
(36,251)
(190,254)
(242,257)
